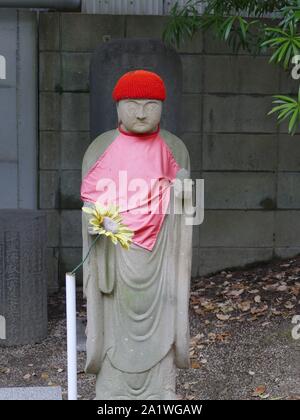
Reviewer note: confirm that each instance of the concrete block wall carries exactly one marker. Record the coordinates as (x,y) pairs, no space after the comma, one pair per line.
(250,166)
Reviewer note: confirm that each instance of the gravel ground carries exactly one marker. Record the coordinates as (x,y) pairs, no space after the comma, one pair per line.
(241,342)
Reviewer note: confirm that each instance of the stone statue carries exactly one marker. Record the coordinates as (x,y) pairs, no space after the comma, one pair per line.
(137,299)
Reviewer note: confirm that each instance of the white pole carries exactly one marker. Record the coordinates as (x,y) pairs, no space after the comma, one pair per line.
(71,335)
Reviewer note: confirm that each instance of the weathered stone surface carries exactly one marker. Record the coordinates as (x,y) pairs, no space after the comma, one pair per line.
(52,257)
(237,228)
(288,85)
(31,393)
(84,32)
(153,27)
(213,45)
(50,149)
(239,190)
(239,74)
(71,228)
(73,147)
(69,259)
(192,46)
(238,113)
(75,71)
(50,109)
(193,142)
(191,113)
(145,26)
(211,260)
(75,111)
(289,153)
(242,152)
(287,252)
(50,71)
(70,190)
(23,277)
(49,189)
(49,31)
(53,231)
(287,228)
(289,190)
(193,73)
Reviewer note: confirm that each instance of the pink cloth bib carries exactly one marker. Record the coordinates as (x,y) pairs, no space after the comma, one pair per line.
(135,172)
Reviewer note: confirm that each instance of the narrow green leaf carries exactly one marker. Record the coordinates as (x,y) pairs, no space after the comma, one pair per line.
(284,114)
(277,30)
(279,108)
(288,56)
(228,28)
(293,120)
(285,98)
(283,51)
(275,55)
(243,26)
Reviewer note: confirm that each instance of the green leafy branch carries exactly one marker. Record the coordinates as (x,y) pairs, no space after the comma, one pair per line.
(288,107)
(240,24)
(286,44)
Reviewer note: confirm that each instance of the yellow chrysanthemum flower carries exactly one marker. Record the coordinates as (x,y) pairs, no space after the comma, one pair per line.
(108,222)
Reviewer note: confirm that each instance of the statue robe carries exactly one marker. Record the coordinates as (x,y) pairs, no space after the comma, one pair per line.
(137,299)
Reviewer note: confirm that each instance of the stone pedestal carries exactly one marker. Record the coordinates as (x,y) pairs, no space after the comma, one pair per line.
(23,282)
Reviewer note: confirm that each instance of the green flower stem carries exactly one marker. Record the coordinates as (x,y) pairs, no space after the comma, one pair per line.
(82,262)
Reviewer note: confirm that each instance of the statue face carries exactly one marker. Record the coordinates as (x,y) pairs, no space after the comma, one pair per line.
(139,115)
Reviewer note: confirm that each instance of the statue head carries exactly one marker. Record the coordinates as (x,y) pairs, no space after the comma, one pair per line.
(139,96)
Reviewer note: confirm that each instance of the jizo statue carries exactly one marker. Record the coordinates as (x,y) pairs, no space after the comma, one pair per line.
(137,298)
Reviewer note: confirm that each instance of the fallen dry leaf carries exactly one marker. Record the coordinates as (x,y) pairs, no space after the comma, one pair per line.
(295,290)
(282,288)
(244,306)
(258,310)
(259,390)
(222,317)
(255,291)
(235,293)
(289,305)
(275,311)
(195,364)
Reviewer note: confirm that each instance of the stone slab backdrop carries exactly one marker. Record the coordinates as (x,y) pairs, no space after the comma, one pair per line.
(114,58)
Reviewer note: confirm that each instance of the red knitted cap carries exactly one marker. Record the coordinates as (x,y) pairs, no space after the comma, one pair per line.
(139,84)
